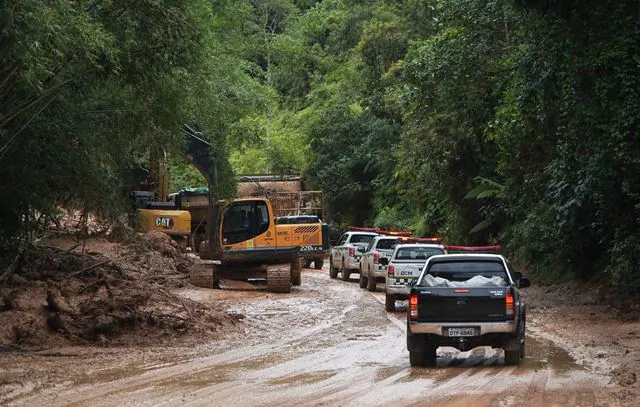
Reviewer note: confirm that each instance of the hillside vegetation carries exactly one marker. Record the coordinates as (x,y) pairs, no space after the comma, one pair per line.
(513,121)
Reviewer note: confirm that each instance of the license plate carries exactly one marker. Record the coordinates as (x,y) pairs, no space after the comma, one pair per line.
(461,332)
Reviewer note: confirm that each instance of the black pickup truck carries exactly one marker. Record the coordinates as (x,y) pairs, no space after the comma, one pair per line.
(465,301)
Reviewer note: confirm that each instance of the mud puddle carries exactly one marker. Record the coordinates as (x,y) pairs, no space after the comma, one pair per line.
(327,343)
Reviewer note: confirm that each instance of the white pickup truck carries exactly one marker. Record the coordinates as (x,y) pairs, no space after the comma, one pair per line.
(405,266)
(345,256)
(373,264)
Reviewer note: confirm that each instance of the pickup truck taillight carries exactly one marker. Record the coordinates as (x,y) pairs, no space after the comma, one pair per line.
(413,306)
(352,251)
(509,306)
(390,270)
(376,257)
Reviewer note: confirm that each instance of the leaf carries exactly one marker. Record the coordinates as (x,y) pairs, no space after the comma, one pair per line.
(481,225)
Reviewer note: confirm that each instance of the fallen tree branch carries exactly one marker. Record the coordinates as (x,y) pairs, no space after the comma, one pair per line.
(72,248)
(100,281)
(87,268)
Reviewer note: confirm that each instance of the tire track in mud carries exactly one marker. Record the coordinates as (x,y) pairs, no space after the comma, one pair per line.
(538,391)
(350,353)
(154,378)
(350,388)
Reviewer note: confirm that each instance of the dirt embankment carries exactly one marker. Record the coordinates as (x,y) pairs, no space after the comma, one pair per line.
(61,292)
(603,338)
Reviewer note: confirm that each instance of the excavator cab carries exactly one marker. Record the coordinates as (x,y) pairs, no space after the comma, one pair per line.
(244,220)
(243,241)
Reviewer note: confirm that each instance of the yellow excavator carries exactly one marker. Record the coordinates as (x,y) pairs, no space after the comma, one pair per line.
(243,240)
(155,213)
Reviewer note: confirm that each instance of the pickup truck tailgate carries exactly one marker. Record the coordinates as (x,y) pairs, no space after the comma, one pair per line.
(407,270)
(440,304)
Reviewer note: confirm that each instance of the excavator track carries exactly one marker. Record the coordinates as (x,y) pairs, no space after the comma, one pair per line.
(203,275)
(279,280)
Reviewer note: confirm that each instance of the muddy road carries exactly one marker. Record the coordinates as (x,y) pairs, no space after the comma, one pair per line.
(326,343)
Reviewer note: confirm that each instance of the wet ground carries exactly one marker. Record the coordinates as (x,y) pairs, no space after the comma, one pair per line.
(327,343)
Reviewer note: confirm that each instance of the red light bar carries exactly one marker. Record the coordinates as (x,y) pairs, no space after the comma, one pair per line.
(364,229)
(420,239)
(395,233)
(381,231)
(472,248)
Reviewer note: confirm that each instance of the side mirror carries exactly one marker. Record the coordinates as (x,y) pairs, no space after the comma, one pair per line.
(524,282)
(384,261)
(517,275)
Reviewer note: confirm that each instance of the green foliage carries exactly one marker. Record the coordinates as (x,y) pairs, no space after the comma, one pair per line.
(394,218)
(284,152)
(343,142)
(87,88)
(475,120)
(510,121)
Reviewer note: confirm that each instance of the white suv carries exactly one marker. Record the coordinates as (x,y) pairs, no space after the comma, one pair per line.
(345,256)
(373,264)
(405,266)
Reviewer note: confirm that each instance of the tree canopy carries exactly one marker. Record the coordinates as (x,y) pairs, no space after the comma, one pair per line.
(481,121)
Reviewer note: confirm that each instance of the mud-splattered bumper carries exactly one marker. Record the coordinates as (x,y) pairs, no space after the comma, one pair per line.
(399,287)
(379,271)
(352,263)
(482,328)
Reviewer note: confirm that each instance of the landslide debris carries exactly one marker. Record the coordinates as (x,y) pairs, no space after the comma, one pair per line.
(112,294)
(626,376)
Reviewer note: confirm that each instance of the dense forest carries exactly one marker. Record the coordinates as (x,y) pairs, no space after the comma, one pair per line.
(481,121)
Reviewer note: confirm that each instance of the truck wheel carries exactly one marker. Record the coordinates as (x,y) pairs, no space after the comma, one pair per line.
(371,283)
(422,353)
(363,280)
(430,357)
(318,263)
(512,352)
(296,277)
(345,273)
(279,280)
(417,357)
(512,357)
(333,272)
(389,303)
(524,330)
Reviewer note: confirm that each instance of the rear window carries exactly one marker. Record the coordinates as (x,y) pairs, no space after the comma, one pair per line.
(386,244)
(361,238)
(417,253)
(464,270)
